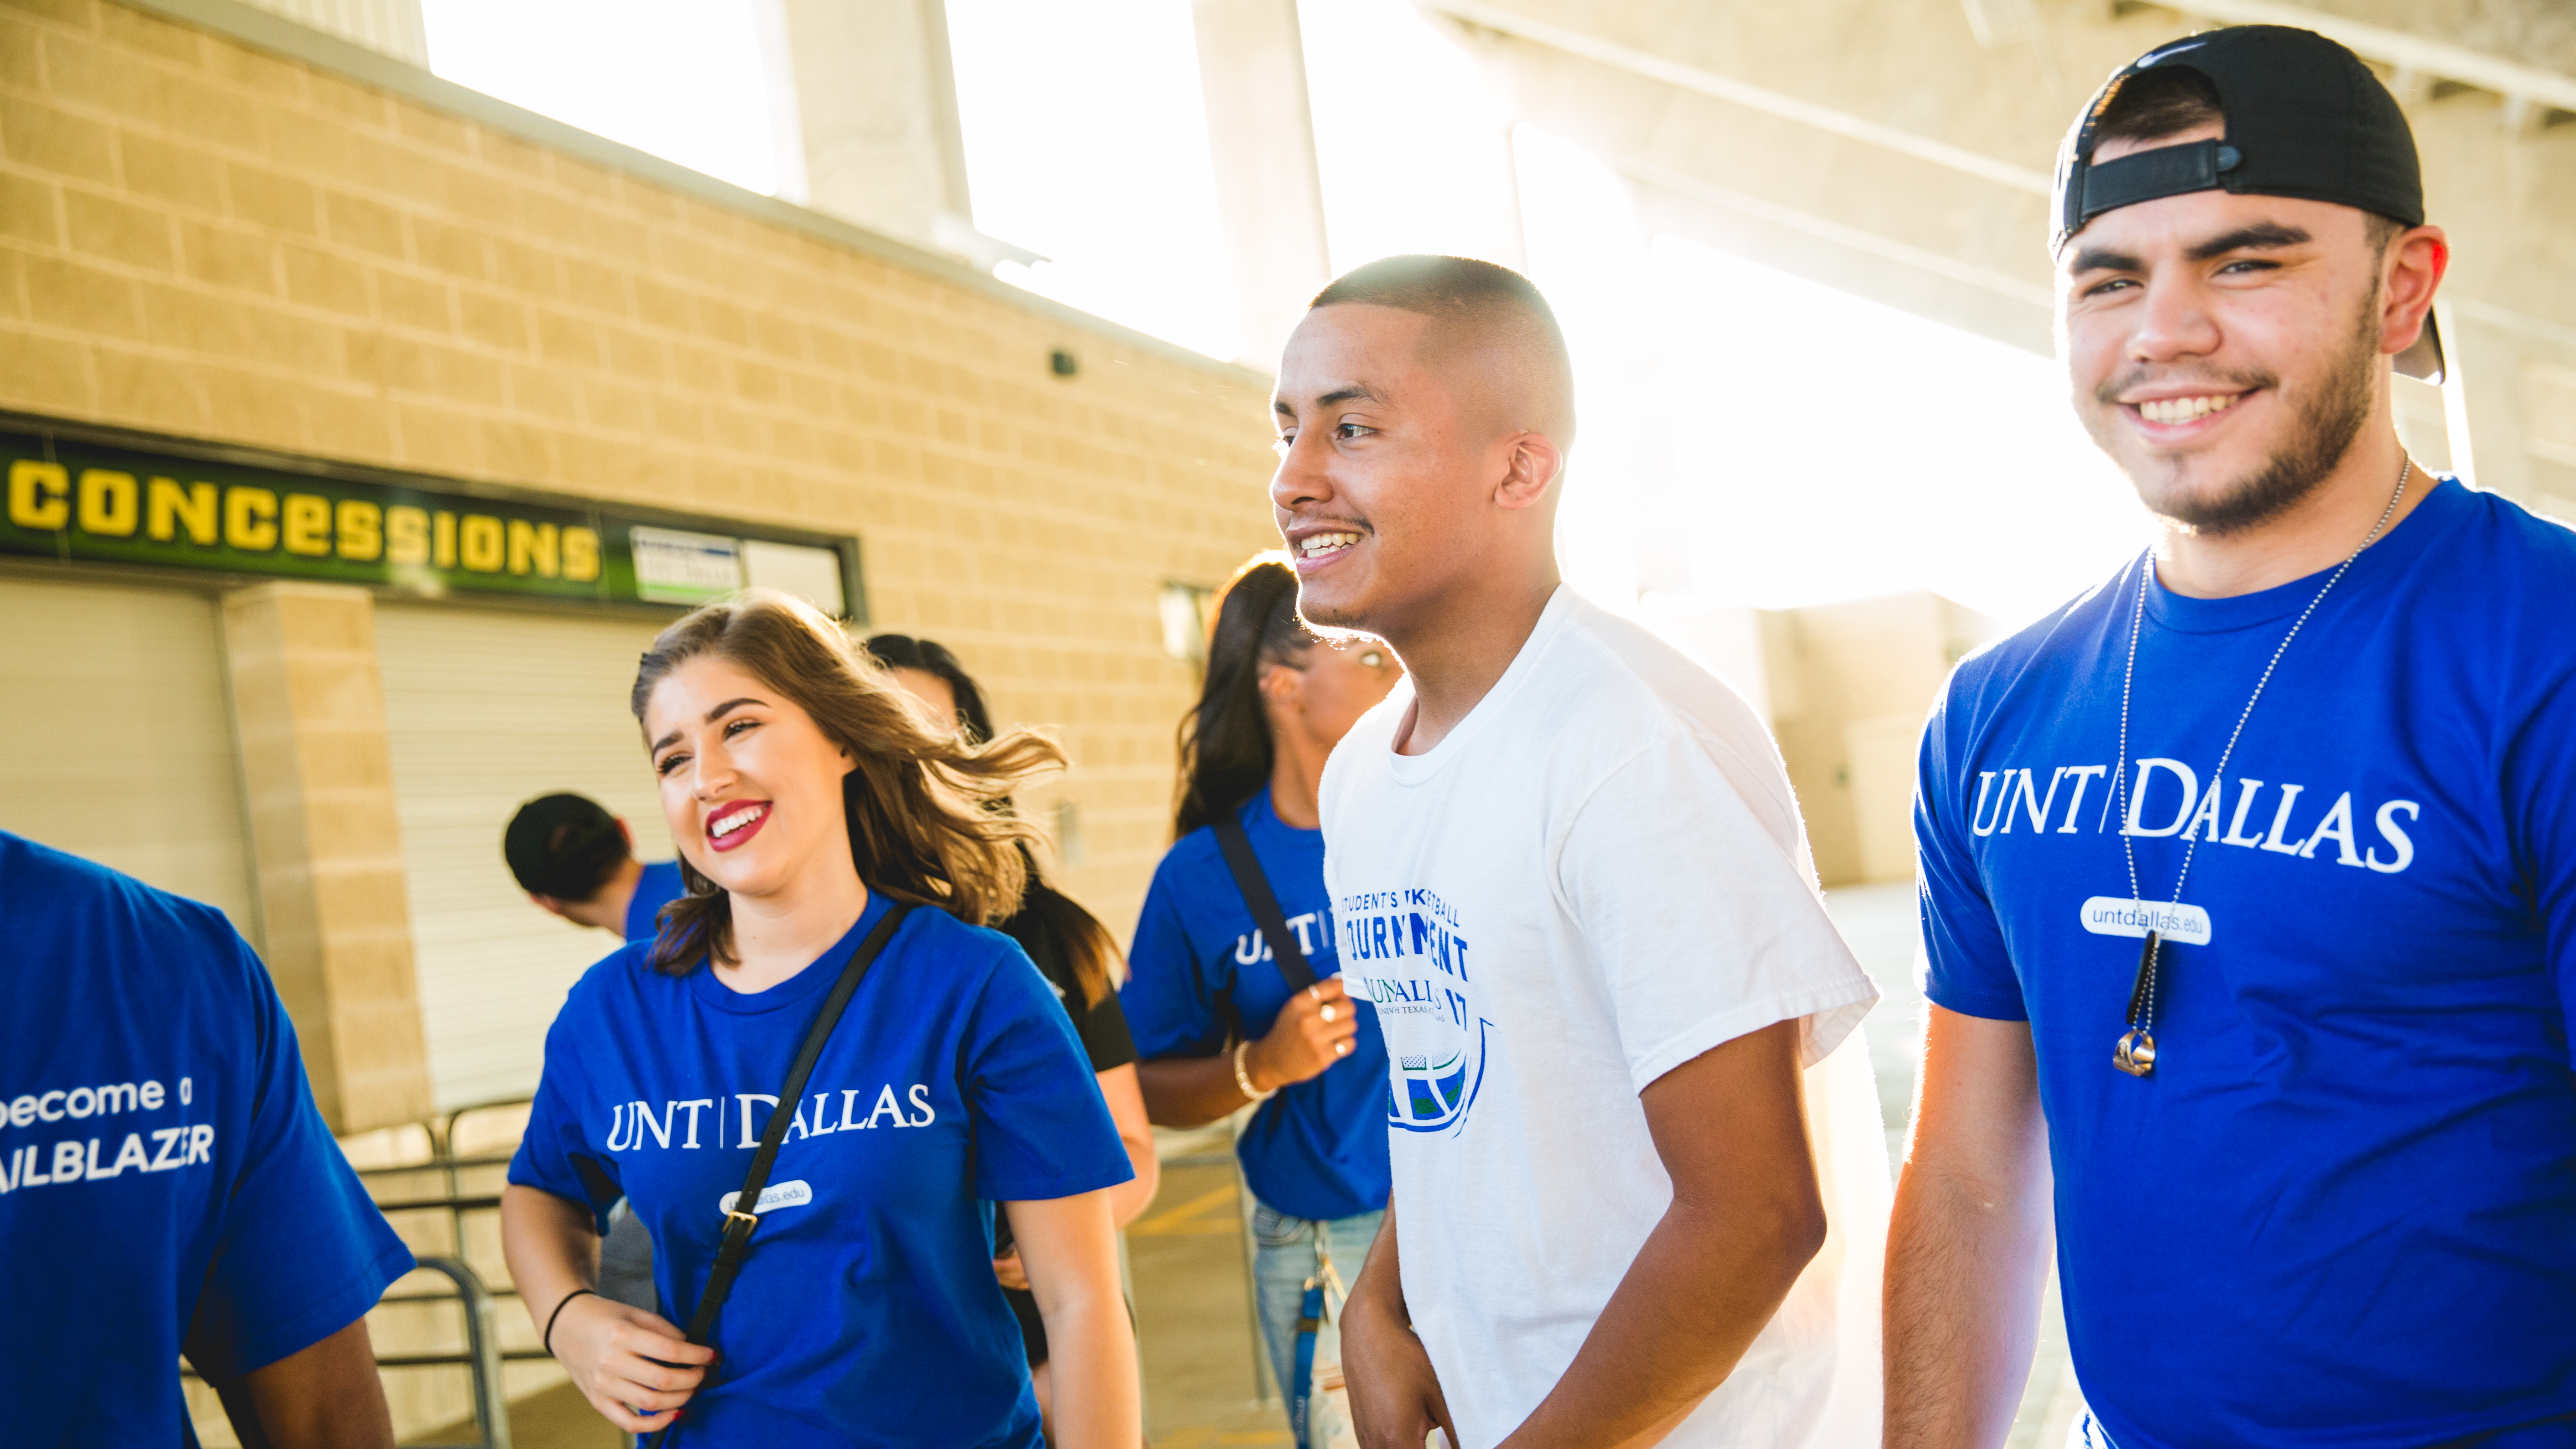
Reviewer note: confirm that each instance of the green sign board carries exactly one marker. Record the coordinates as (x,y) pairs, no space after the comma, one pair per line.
(71,497)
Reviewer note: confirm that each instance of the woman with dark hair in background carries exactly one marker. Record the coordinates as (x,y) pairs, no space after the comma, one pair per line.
(819,821)
(1070,946)
(1215,1017)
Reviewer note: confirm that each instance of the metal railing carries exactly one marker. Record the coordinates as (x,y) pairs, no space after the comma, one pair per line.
(483,1355)
(481,1358)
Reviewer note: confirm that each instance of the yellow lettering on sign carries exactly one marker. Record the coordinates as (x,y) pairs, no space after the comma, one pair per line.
(250,518)
(580,554)
(110,503)
(534,545)
(167,508)
(361,530)
(39,495)
(480,543)
(406,535)
(308,525)
(442,539)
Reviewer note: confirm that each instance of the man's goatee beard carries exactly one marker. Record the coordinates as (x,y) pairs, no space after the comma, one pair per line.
(2325,428)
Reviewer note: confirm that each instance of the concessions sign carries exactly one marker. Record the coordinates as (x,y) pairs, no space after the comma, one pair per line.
(71,497)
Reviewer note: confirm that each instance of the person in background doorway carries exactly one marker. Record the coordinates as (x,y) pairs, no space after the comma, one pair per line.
(1074,951)
(576,860)
(2249,875)
(167,1187)
(1218,1023)
(1566,865)
(811,804)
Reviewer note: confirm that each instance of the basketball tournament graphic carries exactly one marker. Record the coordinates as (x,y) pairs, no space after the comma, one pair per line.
(1407,954)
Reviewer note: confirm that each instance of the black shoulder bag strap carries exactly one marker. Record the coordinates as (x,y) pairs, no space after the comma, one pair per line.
(1265,906)
(741,1219)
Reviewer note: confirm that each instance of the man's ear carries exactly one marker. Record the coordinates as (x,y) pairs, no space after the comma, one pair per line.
(626,834)
(1529,468)
(547,904)
(2409,276)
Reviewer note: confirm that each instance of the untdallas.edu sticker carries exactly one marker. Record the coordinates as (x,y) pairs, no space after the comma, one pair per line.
(2120,916)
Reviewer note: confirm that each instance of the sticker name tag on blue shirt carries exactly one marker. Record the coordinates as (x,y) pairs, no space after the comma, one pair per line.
(776,1195)
(2176,922)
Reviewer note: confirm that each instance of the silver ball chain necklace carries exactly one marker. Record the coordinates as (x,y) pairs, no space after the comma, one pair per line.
(2136,1050)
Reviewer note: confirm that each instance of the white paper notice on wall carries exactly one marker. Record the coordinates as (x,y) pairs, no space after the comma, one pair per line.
(672,567)
(812,574)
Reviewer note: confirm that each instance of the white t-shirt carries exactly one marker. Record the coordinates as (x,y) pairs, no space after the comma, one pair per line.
(1597,876)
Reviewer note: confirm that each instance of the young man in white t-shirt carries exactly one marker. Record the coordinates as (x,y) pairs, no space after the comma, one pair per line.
(1567,869)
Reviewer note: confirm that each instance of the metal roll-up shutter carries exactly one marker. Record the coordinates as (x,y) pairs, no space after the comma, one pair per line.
(117,744)
(485,710)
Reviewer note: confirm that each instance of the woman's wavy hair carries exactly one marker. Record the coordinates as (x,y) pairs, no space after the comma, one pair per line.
(1226,750)
(918,831)
(1089,948)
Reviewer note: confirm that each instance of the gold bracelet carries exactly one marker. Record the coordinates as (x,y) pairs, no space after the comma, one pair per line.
(1243,1079)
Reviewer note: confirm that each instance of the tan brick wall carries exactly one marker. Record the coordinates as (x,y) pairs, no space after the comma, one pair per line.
(317,781)
(204,239)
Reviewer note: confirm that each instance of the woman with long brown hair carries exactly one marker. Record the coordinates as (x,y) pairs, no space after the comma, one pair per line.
(839,868)
(1222,1020)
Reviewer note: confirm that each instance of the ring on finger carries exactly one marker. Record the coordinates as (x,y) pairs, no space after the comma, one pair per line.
(1327,1014)
(1341,1048)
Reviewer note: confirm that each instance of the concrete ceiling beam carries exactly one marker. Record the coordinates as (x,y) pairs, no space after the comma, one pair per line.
(1753,97)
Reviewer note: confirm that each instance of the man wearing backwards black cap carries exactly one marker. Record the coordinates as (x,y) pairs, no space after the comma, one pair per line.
(2249,877)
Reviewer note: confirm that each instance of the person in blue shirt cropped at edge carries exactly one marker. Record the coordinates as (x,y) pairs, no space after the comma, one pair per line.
(807,797)
(577,861)
(167,1186)
(1071,948)
(2312,1144)
(1213,1018)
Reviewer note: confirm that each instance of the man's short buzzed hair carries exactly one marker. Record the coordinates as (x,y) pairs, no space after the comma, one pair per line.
(1486,300)
(1436,287)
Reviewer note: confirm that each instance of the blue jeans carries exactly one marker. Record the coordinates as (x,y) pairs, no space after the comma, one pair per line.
(1283,1258)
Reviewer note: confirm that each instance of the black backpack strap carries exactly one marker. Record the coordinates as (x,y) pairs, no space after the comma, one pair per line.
(741,1219)
(1265,906)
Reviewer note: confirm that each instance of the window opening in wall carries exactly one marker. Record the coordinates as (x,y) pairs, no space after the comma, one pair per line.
(1185,621)
(682,79)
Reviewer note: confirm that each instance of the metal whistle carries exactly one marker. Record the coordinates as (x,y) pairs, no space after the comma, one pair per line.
(2136,1052)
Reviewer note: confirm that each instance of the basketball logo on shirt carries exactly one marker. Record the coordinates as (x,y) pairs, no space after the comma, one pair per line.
(1406,951)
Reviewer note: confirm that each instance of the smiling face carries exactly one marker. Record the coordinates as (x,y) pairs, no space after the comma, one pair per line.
(1328,688)
(751,786)
(1399,452)
(2225,350)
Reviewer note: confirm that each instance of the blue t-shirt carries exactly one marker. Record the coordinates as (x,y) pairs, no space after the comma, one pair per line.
(161,1162)
(867,1311)
(2342,1211)
(1199,965)
(657,887)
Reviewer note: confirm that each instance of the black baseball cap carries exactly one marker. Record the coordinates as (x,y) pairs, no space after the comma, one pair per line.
(564,846)
(2304,117)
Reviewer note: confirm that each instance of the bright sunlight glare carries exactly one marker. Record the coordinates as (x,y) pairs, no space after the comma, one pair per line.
(1086,140)
(681,79)
(1411,143)
(1831,447)
(1777,442)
